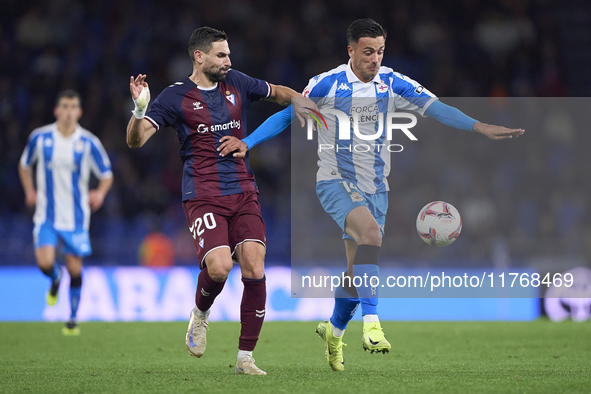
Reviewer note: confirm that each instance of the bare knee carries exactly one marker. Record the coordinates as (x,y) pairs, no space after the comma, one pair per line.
(45,257)
(370,234)
(362,227)
(219,270)
(219,264)
(74,265)
(252,261)
(253,270)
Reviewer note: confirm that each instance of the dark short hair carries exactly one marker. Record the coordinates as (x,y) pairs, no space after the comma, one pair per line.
(364,28)
(68,93)
(203,38)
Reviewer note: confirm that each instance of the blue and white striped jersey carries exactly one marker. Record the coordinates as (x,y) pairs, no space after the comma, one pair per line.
(63,173)
(340,89)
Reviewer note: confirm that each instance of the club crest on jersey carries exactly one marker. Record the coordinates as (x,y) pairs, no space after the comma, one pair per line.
(79,146)
(356,197)
(382,87)
(230,97)
(48,142)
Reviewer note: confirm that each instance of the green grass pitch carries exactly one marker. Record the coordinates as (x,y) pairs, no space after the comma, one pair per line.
(534,357)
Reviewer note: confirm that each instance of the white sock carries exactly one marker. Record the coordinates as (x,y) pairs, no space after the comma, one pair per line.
(337,332)
(243,353)
(370,319)
(199,312)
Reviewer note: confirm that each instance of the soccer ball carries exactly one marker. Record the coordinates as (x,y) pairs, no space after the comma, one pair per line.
(439,223)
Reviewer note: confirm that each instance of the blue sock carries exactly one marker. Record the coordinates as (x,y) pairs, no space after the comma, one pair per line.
(344,308)
(53,273)
(365,266)
(75,289)
(367,295)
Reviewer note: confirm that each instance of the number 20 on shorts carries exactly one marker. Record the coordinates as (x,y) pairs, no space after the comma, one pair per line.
(197,228)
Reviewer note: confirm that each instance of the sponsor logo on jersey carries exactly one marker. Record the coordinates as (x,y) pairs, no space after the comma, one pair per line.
(197,105)
(385,122)
(233,124)
(419,89)
(57,164)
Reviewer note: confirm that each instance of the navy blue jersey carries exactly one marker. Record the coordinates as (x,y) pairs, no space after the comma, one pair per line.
(201,117)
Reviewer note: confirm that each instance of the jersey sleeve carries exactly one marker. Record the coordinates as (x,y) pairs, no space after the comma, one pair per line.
(254,89)
(162,112)
(318,88)
(274,125)
(450,116)
(29,155)
(410,95)
(101,165)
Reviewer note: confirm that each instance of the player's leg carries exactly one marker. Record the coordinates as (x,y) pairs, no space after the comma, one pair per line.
(45,239)
(339,197)
(209,230)
(346,298)
(251,255)
(76,247)
(74,267)
(211,280)
(362,260)
(248,237)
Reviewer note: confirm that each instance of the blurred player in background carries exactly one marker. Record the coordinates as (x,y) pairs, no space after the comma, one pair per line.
(207,109)
(352,186)
(65,154)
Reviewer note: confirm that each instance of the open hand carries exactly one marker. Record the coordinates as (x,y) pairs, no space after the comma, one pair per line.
(302,106)
(137,85)
(497,132)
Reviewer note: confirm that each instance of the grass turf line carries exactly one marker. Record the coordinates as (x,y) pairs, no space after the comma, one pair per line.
(538,356)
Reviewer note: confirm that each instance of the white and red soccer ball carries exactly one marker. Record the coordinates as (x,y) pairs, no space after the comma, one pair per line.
(439,223)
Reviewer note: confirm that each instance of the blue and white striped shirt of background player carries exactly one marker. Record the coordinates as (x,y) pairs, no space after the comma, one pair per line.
(389,91)
(63,172)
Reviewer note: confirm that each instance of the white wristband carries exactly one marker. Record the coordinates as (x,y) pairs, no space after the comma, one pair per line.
(141,103)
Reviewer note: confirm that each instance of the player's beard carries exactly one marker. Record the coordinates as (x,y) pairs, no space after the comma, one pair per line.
(216,76)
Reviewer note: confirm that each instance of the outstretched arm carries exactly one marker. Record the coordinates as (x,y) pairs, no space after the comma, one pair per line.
(274,125)
(453,117)
(283,95)
(139,130)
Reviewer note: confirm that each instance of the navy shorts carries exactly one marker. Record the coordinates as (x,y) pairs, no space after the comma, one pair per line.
(224,222)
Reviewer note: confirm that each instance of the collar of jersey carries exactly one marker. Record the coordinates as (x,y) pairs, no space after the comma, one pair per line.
(201,87)
(351,77)
(71,136)
(207,89)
